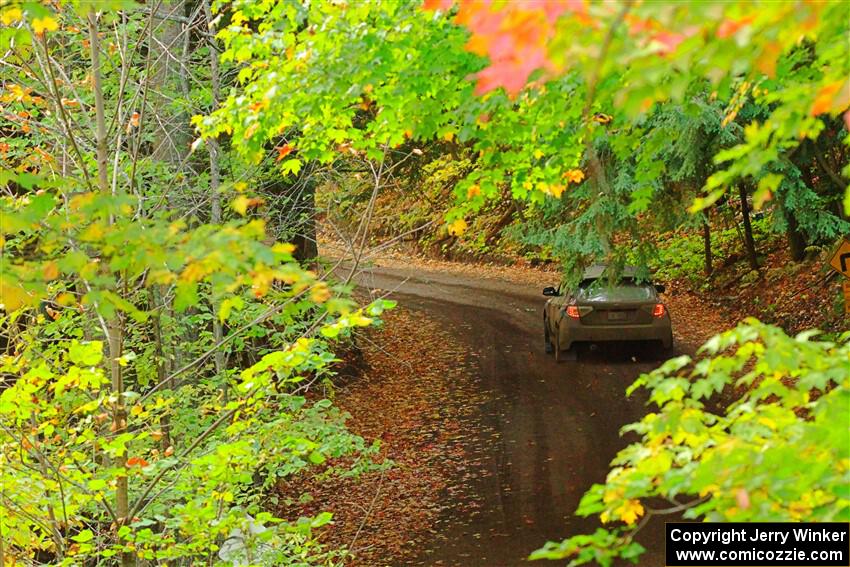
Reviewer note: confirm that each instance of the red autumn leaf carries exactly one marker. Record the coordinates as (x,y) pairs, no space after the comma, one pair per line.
(638,25)
(669,41)
(729,27)
(555,10)
(743,498)
(444,5)
(825,98)
(515,37)
(137,462)
(283,151)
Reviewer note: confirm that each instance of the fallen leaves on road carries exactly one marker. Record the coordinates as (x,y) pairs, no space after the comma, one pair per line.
(413,393)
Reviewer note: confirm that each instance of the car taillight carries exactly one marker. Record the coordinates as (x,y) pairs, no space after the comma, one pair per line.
(658,310)
(572,311)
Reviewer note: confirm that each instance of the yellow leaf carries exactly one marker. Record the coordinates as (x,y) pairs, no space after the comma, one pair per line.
(261,281)
(193,272)
(10,16)
(538,154)
(81,200)
(50,271)
(551,189)
(574,176)
(612,495)
(92,233)
(283,248)
(457,227)
(449,136)
(136,410)
(47,23)
(250,130)
(473,191)
(240,204)
(12,297)
(320,293)
(65,299)
(359,320)
(630,511)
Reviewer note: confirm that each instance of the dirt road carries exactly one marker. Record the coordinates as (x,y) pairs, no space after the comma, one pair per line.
(552,428)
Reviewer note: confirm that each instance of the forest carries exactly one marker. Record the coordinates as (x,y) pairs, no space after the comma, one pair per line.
(192,193)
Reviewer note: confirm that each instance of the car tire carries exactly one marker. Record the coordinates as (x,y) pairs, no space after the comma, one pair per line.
(666,352)
(570,355)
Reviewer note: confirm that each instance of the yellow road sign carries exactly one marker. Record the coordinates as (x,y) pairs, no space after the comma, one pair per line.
(841,259)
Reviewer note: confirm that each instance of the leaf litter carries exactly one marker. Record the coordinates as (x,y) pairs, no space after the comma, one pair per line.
(413,389)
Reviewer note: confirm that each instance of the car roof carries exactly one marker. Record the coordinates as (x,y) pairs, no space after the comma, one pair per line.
(596,271)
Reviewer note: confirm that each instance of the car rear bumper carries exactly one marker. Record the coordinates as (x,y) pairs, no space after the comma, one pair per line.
(572,331)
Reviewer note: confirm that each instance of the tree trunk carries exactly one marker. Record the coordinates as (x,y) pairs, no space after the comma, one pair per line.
(163,369)
(114,326)
(706,242)
(749,243)
(167,77)
(307,247)
(166,82)
(215,183)
(796,239)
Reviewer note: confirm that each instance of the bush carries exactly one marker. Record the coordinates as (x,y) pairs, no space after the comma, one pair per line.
(777,454)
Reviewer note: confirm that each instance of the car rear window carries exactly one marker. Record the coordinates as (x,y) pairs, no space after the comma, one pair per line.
(625,290)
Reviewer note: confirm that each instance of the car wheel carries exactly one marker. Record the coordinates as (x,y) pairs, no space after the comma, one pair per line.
(547,342)
(569,355)
(665,349)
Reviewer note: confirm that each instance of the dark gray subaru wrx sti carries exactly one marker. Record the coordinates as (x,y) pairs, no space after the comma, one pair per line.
(596,310)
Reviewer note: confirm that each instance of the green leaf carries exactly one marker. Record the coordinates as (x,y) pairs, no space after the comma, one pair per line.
(83,537)
(321,520)
(291,166)
(85,354)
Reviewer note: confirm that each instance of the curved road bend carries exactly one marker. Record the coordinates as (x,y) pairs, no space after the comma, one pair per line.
(551,428)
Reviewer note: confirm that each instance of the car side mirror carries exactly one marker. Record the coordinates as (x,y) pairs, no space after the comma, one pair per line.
(550,291)
(659,288)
